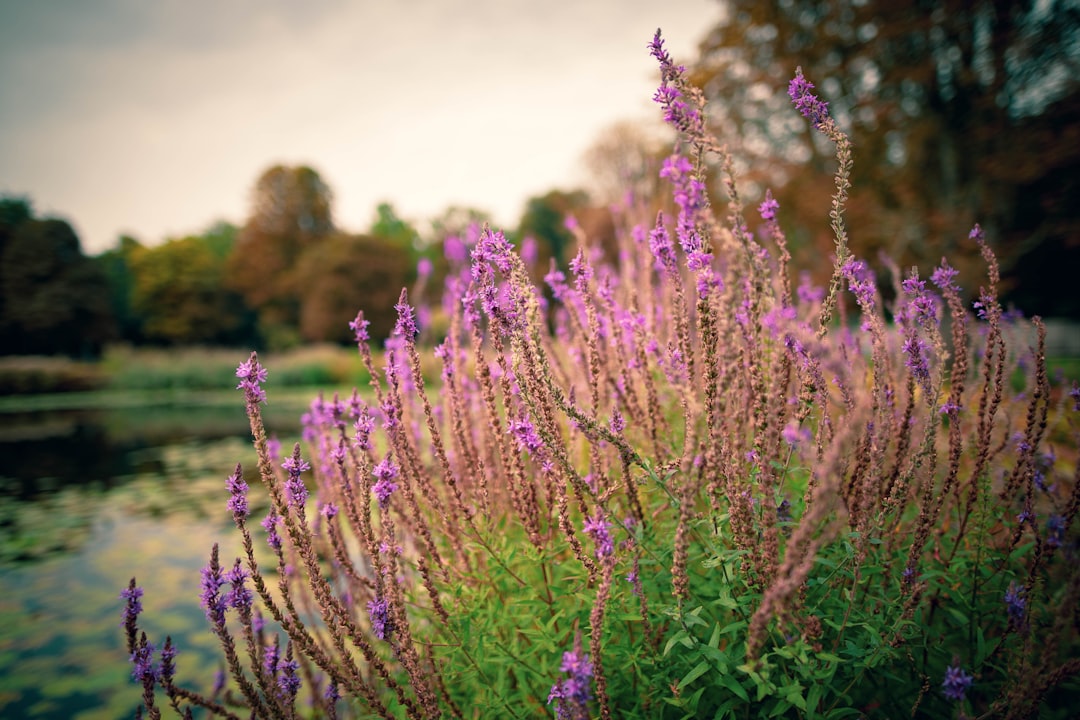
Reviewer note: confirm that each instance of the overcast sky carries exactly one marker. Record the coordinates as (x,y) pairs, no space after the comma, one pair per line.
(155,118)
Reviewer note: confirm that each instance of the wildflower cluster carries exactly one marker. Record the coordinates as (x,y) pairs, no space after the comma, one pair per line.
(671,485)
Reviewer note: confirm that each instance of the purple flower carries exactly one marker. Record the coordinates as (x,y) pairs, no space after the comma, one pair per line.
(1074,393)
(494,249)
(597,527)
(288,681)
(556,280)
(384,487)
(359,326)
(861,282)
(332,695)
(329,510)
(915,349)
(571,694)
(270,523)
(168,662)
(525,433)
(617,423)
(424,267)
(240,597)
(661,246)
(133,606)
(944,277)
(949,408)
(406,321)
(768,207)
(252,375)
(270,659)
(237,488)
(212,600)
(294,486)
(455,250)
(956,683)
(1015,603)
(808,104)
(142,663)
(382,625)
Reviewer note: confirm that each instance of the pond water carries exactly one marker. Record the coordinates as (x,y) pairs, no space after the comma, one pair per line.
(91,496)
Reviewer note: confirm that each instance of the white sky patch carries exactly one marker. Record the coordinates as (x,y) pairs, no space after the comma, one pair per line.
(155,119)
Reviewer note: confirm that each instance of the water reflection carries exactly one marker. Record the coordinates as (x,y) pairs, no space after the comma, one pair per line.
(88,498)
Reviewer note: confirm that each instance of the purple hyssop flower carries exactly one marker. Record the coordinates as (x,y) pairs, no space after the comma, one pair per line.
(359,326)
(1015,603)
(294,486)
(252,375)
(571,694)
(237,488)
(598,528)
(956,683)
(808,104)
(768,207)
(384,487)
(381,622)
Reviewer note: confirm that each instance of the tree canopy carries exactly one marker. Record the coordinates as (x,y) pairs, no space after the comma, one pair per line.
(53,299)
(290,213)
(960,112)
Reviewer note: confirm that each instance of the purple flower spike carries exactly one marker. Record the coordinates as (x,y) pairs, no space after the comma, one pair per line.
(956,683)
(252,375)
(212,600)
(384,487)
(571,694)
(1015,603)
(597,527)
(294,486)
(406,321)
(382,624)
(359,326)
(133,607)
(808,104)
(237,488)
(768,207)
(240,597)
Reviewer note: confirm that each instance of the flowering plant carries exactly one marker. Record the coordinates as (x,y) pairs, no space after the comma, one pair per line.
(675,487)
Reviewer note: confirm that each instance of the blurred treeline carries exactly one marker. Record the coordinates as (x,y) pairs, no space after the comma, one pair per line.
(961,111)
(288,276)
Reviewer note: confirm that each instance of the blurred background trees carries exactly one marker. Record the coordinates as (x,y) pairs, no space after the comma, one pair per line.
(52,297)
(961,111)
(291,212)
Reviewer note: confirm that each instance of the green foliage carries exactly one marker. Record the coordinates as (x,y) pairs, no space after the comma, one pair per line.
(544,220)
(179,294)
(347,273)
(54,299)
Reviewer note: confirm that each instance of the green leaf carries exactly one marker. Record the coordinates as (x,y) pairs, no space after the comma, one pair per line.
(734,686)
(714,640)
(781,707)
(700,669)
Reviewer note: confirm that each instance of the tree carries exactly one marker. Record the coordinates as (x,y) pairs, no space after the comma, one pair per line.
(290,213)
(545,221)
(55,299)
(116,263)
(959,111)
(625,158)
(179,294)
(348,273)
